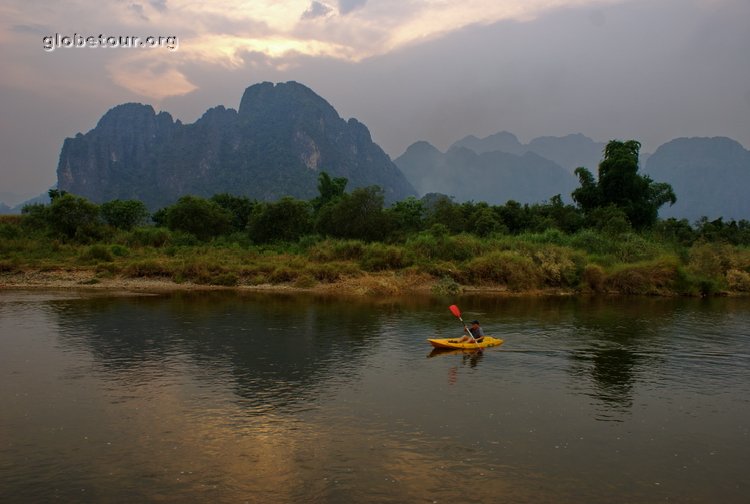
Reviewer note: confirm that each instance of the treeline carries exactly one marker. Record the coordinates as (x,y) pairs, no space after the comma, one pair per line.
(610,240)
(359,215)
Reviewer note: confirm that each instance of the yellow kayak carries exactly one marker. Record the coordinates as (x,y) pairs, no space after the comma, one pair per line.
(487,341)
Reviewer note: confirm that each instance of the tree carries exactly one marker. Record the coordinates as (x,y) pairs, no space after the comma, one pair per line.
(330,189)
(358,215)
(515,216)
(198,216)
(56,193)
(74,217)
(285,220)
(407,215)
(442,210)
(241,207)
(124,214)
(619,184)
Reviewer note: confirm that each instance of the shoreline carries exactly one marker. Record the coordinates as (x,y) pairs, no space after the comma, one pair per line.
(365,285)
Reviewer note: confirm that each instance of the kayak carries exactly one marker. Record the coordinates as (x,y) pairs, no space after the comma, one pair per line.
(487,341)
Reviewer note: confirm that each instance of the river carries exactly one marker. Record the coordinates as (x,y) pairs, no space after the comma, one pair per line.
(239,397)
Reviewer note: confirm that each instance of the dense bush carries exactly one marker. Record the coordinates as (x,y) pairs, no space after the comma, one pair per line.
(285,220)
(74,217)
(200,217)
(124,214)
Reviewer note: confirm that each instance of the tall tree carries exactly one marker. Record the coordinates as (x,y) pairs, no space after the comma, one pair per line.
(620,185)
(330,189)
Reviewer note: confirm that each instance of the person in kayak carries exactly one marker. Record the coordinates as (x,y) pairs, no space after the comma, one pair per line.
(476,331)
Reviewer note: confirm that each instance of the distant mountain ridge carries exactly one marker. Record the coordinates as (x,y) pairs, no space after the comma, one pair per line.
(569,151)
(278,141)
(710,176)
(492,176)
(499,167)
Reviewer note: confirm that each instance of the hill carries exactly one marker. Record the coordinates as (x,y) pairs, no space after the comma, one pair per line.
(569,151)
(494,177)
(276,144)
(710,177)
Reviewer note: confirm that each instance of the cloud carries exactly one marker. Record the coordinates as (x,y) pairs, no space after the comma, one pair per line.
(226,32)
(346,6)
(35,29)
(138,9)
(316,10)
(159,5)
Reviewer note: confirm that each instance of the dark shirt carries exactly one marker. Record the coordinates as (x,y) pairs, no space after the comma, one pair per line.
(477,333)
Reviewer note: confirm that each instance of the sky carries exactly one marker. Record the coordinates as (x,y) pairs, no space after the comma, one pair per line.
(435,70)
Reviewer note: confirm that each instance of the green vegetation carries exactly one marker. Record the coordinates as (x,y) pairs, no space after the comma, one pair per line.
(352,242)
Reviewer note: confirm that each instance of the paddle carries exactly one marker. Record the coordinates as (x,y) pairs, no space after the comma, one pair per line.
(456,312)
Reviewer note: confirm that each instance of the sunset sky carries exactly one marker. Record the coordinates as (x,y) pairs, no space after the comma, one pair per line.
(434,70)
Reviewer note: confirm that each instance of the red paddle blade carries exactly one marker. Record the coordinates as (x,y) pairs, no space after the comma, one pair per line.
(455,311)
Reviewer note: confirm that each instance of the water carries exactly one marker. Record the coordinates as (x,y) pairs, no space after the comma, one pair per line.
(216,397)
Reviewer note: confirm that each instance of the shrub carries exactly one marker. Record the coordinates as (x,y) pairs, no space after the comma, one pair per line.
(446,286)
(283,274)
(74,217)
(227,279)
(285,220)
(124,214)
(148,268)
(331,272)
(430,246)
(738,280)
(591,241)
(305,281)
(337,250)
(594,277)
(556,266)
(9,231)
(148,237)
(654,277)
(97,253)
(507,268)
(119,251)
(710,260)
(198,216)
(378,257)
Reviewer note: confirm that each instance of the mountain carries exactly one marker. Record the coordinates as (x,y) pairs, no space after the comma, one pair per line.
(710,177)
(276,144)
(494,177)
(569,151)
(502,141)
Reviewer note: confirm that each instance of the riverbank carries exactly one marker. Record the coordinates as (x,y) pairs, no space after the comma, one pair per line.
(362,285)
(366,284)
(530,264)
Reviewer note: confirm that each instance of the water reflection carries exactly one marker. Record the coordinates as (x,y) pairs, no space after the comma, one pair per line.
(612,346)
(470,357)
(234,398)
(275,350)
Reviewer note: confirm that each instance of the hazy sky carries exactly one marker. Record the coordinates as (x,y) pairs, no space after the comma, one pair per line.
(434,70)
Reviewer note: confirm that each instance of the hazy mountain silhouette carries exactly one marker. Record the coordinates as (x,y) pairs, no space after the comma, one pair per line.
(494,177)
(710,177)
(569,151)
(502,141)
(276,144)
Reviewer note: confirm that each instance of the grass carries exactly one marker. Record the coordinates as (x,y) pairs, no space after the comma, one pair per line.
(587,262)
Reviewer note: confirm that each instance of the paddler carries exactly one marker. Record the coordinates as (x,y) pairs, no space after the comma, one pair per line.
(476,333)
